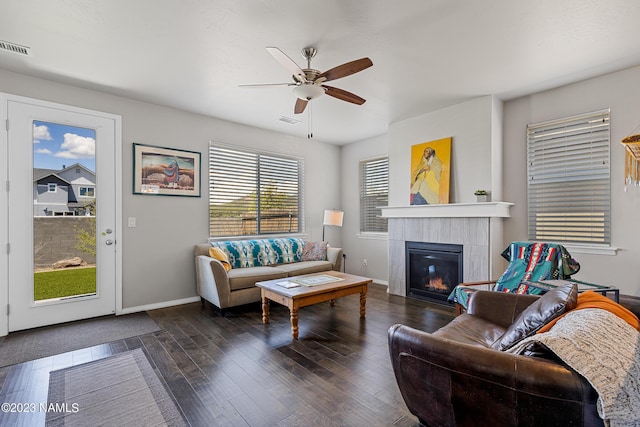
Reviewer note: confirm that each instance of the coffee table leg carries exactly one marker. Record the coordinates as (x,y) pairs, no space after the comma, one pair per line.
(294,322)
(265,310)
(363,301)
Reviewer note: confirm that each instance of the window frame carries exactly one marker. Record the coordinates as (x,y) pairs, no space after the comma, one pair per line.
(87,188)
(269,165)
(52,187)
(368,213)
(558,208)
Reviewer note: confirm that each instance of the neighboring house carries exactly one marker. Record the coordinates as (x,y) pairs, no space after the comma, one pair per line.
(69,191)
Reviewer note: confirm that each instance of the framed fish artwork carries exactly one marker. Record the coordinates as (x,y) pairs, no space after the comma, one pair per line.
(165,171)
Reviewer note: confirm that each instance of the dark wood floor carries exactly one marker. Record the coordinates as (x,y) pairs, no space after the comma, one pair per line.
(234,371)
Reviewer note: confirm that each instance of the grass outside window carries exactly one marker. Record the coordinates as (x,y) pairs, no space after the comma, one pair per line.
(64,283)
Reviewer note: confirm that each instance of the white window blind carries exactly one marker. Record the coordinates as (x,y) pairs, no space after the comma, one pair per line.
(253,193)
(374,192)
(569,179)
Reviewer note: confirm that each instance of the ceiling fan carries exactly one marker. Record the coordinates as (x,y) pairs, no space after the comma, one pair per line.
(309,83)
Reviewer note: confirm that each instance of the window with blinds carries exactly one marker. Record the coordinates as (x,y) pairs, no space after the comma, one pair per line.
(254,193)
(569,180)
(374,192)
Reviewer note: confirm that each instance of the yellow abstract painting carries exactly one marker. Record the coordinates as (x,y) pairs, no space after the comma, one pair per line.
(430,172)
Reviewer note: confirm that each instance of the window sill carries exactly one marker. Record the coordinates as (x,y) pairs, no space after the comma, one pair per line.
(374,236)
(593,250)
(303,236)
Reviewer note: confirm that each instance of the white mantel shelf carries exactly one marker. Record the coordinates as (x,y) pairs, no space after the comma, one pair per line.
(451,210)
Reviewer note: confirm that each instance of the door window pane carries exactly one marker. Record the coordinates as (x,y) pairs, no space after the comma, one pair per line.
(64,209)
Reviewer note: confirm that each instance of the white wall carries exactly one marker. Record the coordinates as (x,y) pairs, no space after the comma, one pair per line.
(470,125)
(621,92)
(356,246)
(489,151)
(158,261)
(476,153)
(475,128)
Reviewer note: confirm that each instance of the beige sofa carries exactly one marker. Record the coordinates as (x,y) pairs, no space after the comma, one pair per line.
(237,286)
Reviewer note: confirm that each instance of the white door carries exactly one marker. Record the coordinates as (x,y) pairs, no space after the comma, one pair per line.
(65,193)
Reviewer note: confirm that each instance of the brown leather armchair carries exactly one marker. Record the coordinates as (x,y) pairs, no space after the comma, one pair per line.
(453,378)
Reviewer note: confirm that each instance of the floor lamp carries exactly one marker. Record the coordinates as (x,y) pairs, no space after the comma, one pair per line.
(332,217)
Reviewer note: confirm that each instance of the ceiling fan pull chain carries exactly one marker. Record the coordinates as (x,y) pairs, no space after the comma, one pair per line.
(309,122)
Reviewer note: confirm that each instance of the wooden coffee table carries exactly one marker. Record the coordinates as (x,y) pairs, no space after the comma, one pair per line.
(303,295)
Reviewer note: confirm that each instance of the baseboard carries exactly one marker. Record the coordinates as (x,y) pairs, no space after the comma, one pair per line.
(158,305)
(381,282)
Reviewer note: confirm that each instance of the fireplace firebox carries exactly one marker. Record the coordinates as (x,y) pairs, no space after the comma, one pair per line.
(433,270)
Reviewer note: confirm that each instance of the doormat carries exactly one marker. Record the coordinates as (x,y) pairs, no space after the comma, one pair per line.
(121,390)
(22,346)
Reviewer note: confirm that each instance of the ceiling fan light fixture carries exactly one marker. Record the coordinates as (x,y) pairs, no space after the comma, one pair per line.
(308,91)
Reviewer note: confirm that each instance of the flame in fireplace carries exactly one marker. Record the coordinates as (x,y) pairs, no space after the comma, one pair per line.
(437,284)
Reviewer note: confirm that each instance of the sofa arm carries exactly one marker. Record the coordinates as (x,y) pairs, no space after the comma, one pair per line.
(446,383)
(334,256)
(212,281)
(500,308)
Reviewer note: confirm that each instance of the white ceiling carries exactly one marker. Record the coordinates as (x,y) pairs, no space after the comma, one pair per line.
(427,54)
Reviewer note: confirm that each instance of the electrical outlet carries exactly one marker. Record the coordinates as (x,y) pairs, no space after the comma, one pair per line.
(364,262)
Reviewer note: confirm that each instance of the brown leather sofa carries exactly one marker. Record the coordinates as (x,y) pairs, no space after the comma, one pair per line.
(453,377)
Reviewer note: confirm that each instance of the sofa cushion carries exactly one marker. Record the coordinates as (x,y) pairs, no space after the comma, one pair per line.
(470,329)
(220,255)
(549,306)
(314,251)
(243,278)
(261,252)
(305,267)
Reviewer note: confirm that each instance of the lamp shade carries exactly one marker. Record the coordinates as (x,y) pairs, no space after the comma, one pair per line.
(333,217)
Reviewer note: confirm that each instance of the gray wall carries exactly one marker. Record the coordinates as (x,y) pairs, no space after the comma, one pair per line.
(475,127)
(489,151)
(157,255)
(358,247)
(470,125)
(55,238)
(154,273)
(621,92)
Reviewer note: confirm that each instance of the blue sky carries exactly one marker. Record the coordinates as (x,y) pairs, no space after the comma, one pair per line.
(55,145)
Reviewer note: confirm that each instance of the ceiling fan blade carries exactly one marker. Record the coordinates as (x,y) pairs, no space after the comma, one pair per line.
(345,70)
(301,104)
(268,84)
(343,95)
(287,63)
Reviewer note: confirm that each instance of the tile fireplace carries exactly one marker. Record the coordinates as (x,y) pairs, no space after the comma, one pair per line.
(475,227)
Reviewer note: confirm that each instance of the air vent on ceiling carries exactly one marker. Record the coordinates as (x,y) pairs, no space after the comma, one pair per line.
(289,120)
(15,48)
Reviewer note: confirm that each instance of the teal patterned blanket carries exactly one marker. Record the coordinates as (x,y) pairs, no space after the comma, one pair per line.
(528,261)
(261,252)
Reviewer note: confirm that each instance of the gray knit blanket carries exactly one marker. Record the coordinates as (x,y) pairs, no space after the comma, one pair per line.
(605,350)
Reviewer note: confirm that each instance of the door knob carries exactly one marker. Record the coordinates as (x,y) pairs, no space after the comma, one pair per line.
(108,242)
